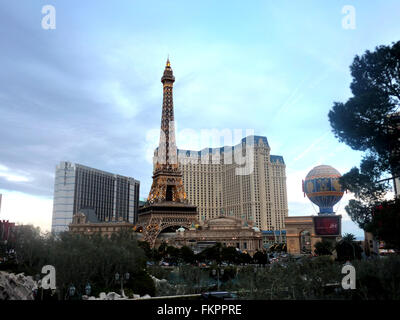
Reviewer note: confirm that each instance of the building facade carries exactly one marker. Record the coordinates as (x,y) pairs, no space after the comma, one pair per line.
(6,230)
(228,231)
(86,222)
(301,236)
(215,185)
(78,187)
(273,237)
(371,244)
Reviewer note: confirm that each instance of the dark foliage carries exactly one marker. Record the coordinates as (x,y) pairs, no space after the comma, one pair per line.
(369,121)
(81,259)
(323,248)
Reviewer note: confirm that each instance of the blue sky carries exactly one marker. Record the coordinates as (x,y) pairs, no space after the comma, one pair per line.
(90,92)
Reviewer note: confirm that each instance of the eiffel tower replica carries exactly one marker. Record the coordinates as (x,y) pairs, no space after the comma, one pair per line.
(167,204)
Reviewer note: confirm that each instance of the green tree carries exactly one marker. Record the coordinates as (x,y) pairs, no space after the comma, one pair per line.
(349,237)
(186,254)
(211,253)
(29,247)
(146,248)
(244,258)
(82,259)
(347,249)
(323,248)
(162,249)
(173,254)
(369,121)
(229,254)
(385,223)
(261,257)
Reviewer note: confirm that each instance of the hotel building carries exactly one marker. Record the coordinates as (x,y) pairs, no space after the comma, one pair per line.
(217,186)
(111,196)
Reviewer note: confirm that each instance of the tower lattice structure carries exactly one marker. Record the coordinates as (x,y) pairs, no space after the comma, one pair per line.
(167,177)
(167,204)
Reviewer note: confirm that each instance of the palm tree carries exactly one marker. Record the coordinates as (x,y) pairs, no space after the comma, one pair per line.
(347,240)
(349,237)
(323,247)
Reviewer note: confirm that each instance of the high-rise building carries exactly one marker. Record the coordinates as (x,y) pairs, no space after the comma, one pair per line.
(216,187)
(78,187)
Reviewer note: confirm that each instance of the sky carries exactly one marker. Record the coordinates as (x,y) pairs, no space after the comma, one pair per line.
(89,90)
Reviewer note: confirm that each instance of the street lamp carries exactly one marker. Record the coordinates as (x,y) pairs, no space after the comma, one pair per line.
(38,284)
(88,289)
(253,279)
(218,272)
(71,291)
(118,277)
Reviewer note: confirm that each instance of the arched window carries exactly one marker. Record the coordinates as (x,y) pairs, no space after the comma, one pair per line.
(305,242)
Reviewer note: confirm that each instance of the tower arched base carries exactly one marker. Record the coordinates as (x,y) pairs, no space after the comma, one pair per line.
(154,218)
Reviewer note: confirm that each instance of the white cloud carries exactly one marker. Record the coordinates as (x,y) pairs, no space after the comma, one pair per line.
(294,185)
(23,208)
(311,146)
(117,96)
(18,176)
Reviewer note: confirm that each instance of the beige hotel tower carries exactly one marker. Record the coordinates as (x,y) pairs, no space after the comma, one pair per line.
(214,186)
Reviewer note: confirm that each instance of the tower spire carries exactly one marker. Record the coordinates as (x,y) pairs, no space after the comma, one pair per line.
(168,76)
(167,151)
(166,165)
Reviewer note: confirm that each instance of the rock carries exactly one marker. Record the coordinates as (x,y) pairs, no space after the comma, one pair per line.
(109,296)
(113,296)
(16,287)
(163,287)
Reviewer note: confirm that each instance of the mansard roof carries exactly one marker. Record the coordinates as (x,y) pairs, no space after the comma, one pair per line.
(248,139)
(276,159)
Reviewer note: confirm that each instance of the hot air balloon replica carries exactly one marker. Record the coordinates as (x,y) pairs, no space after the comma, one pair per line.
(322,187)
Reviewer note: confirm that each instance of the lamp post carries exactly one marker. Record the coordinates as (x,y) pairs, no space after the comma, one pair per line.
(218,272)
(71,291)
(88,289)
(253,279)
(126,276)
(38,284)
